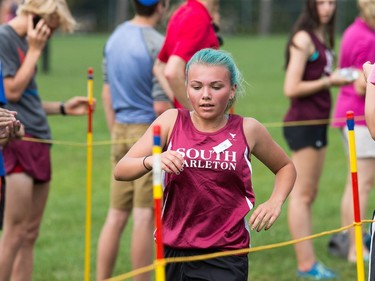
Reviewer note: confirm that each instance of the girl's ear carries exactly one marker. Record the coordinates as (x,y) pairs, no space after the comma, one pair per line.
(233,92)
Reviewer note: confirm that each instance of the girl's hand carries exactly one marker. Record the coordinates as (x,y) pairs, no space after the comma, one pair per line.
(78,105)
(336,79)
(172,162)
(37,37)
(265,215)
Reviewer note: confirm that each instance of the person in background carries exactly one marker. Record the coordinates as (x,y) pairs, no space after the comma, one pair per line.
(308,79)
(207,175)
(190,29)
(28,176)
(369,76)
(10,129)
(357,47)
(132,98)
(8,9)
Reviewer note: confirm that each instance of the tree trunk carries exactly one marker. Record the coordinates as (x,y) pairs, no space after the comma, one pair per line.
(121,11)
(246,14)
(265,17)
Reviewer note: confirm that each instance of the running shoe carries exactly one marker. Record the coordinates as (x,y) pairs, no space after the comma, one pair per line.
(317,272)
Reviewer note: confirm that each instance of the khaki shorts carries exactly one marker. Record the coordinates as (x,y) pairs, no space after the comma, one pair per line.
(126,195)
(364,144)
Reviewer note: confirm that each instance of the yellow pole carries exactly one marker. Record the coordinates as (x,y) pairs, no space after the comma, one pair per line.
(158,196)
(357,216)
(89,175)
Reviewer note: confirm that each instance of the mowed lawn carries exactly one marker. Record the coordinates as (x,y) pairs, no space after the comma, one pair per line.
(60,250)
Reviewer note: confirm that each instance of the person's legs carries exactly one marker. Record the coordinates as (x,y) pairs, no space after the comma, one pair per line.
(309,165)
(121,197)
(18,204)
(365,152)
(2,200)
(142,240)
(109,242)
(143,226)
(366,168)
(23,265)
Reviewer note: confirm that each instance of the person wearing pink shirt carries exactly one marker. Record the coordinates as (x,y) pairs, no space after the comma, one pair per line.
(357,47)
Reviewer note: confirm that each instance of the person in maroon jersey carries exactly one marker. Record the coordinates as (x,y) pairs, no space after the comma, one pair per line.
(206,163)
(308,79)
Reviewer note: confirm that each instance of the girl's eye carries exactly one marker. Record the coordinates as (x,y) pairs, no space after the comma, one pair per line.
(196,87)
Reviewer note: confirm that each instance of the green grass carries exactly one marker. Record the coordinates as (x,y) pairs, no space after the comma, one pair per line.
(60,248)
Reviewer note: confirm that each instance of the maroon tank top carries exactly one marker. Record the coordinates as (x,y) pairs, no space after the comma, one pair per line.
(316,106)
(205,206)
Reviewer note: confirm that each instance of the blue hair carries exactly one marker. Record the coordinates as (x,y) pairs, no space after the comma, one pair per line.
(214,57)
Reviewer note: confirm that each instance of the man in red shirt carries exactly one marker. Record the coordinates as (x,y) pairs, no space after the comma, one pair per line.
(190,29)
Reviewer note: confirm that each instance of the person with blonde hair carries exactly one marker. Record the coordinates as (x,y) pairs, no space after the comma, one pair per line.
(28,164)
(357,47)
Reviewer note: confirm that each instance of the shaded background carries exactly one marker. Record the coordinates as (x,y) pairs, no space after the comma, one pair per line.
(237,16)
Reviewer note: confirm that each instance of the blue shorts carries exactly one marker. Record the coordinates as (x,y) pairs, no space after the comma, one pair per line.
(228,268)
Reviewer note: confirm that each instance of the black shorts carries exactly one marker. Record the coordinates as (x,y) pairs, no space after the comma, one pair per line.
(2,200)
(299,137)
(228,268)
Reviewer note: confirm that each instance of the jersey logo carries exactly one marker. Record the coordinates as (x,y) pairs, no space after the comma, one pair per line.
(233,135)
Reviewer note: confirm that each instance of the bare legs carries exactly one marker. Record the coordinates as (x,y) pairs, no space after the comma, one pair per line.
(141,246)
(309,165)
(366,169)
(25,203)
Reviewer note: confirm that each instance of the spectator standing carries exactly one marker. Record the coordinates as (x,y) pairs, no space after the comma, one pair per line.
(10,128)
(357,47)
(132,98)
(308,79)
(190,29)
(28,177)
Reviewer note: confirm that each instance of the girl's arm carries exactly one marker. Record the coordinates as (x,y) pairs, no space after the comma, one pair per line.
(264,148)
(300,53)
(139,160)
(369,72)
(107,105)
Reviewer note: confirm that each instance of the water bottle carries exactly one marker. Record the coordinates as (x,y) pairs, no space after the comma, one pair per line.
(349,73)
